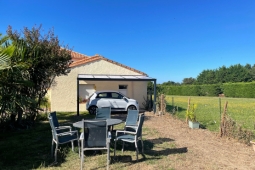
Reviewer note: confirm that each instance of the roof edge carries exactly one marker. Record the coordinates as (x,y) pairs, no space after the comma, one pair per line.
(99,57)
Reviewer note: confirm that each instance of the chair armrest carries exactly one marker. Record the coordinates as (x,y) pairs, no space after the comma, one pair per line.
(64,127)
(123,131)
(67,133)
(132,126)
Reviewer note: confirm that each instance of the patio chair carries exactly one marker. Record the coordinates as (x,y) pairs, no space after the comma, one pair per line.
(95,137)
(103,113)
(130,136)
(56,124)
(131,122)
(62,138)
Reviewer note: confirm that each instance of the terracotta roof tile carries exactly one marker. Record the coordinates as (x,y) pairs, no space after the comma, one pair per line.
(85,60)
(77,56)
(80,59)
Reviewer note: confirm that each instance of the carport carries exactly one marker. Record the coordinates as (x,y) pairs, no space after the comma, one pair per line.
(101,77)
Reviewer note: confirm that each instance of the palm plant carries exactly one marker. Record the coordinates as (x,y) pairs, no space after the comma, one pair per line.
(12,73)
(5,52)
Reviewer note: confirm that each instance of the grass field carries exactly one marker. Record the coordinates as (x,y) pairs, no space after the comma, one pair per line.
(209,109)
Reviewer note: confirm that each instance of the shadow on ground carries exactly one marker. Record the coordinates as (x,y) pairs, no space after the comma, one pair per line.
(149,152)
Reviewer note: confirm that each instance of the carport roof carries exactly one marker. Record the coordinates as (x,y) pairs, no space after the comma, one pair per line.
(106,77)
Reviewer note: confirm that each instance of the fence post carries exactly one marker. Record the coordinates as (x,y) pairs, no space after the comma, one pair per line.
(220,106)
(173,107)
(162,105)
(172,101)
(188,109)
(223,121)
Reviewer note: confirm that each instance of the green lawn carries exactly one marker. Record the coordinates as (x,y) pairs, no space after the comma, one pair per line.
(209,109)
(30,149)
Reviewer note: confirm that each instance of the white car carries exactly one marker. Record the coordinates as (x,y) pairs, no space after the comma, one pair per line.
(113,99)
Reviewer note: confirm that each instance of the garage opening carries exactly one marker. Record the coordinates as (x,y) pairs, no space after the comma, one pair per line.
(85,90)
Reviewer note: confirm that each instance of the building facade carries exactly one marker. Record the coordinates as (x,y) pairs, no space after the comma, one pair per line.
(63,92)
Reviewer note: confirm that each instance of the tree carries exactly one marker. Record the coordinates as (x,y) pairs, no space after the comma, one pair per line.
(235,73)
(150,87)
(238,73)
(188,81)
(170,83)
(247,66)
(40,58)
(252,72)
(222,75)
(206,77)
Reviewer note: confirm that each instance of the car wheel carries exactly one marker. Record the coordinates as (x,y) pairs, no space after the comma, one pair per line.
(132,107)
(92,110)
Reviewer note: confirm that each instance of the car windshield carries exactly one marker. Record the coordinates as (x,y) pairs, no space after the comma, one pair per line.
(123,95)
(90,96)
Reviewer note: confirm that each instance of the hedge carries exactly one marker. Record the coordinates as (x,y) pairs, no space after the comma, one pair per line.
(244,90)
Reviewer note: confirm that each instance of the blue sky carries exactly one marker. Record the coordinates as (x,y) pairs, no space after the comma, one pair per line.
(168,39)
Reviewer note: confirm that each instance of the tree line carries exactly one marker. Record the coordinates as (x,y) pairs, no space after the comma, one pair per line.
(29,62)
(233,74)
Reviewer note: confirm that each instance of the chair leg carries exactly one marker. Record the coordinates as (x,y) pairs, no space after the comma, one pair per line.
(108,157)
(72,146)
(137,151)
(114,147)
(142,145)
(123,143)
(52,146)
(82,158)
(79,148)
(56,152)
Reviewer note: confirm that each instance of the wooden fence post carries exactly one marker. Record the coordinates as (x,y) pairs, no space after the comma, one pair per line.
(162,105)
(188,109)
(223,121)
(220,106)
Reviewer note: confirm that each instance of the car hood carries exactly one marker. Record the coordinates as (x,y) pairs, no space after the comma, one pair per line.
(131,100)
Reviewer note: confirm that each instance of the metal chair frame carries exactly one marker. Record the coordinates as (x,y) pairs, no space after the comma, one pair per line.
(95,137)
(131,136)
(62,137)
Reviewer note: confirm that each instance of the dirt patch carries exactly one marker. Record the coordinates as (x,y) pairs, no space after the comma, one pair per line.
(205,150)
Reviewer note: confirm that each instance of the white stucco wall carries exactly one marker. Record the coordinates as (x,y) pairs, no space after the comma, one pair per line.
(64,92)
